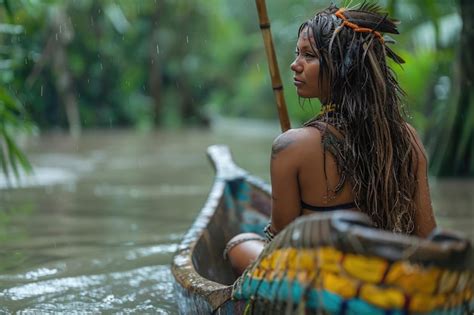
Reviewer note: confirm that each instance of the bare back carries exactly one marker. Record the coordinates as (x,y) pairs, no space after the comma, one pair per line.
(322,181)
(302,169)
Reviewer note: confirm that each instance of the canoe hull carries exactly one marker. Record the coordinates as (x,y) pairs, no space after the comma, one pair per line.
(237,203)
(348,244)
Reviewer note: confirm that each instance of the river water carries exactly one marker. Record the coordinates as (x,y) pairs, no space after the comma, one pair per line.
(95,229)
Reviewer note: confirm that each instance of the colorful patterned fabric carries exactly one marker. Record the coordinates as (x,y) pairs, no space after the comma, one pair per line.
(297,277)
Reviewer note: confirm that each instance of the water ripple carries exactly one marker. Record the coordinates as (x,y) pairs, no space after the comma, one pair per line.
(136,191)
(42,176)
(116,291)
(144,252)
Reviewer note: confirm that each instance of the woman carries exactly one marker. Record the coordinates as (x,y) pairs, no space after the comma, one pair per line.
(358,153)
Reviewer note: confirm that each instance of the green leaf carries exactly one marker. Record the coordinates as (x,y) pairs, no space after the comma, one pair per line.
(12,153)
(3,161)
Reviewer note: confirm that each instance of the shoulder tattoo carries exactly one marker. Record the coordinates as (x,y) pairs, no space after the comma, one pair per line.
(280,144)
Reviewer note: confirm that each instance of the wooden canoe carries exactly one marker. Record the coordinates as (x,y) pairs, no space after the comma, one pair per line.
(332,263)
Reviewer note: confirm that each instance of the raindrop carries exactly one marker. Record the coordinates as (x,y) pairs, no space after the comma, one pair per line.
(41,92)
(258,67)
(26,61)
(187,39)
(101,66)
(157,49)
(60,28)
(56,36)
(92,21)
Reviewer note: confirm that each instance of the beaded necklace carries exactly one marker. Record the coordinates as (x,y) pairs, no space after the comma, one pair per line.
(327,108)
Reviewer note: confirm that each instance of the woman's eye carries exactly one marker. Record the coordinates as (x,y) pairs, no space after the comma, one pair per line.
(305,55)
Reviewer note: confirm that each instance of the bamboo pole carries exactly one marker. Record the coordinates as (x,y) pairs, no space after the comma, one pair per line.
(273,65)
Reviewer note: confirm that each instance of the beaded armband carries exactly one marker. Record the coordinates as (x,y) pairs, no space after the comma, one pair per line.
(268,231)
(232,244)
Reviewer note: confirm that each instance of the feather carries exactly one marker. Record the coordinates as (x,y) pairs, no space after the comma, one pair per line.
(373,21)
(389,40)
(371,7)
(394,56)
(371,15)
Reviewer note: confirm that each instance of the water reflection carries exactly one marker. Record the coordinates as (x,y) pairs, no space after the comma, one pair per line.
(102,241)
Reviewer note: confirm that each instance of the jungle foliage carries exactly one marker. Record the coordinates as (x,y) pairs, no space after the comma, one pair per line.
(78,64)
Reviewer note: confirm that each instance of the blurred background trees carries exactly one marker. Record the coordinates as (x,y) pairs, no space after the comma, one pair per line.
(13,117)
(77,64)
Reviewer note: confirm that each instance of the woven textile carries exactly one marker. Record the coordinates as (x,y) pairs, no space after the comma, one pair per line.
(343,266)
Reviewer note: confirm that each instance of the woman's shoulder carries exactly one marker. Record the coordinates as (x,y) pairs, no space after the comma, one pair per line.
(297,140)
(298,136)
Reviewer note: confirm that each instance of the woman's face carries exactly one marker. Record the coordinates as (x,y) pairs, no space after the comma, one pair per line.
(306,67)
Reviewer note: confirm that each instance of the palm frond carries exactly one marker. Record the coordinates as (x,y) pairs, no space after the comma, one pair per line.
(12,121)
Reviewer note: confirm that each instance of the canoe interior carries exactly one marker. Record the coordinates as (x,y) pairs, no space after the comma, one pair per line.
(243,207)
(237,203)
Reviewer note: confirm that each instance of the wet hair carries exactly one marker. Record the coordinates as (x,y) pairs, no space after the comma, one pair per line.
(378,154)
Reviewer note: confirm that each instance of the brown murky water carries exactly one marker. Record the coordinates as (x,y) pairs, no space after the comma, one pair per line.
(96,229)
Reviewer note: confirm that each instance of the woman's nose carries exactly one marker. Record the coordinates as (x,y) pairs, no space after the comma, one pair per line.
(296,66)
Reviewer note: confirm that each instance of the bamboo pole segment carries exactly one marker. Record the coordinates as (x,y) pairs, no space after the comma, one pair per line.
(273,65)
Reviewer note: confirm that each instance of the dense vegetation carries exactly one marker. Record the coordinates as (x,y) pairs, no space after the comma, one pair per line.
(74,64)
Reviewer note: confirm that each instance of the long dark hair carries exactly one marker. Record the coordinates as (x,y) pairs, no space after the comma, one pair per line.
(378,153)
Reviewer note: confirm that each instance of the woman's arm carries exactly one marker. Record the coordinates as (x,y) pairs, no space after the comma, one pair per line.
(286,204)
(424,219)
